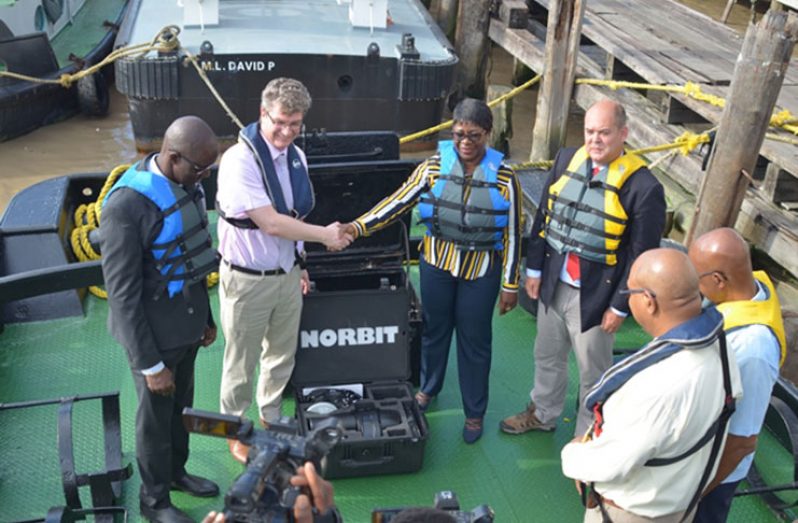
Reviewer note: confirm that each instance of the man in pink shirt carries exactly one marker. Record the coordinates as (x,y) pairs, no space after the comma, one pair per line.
(263,197)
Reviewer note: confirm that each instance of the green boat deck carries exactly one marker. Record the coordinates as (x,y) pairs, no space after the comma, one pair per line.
(86,29)
(518,476)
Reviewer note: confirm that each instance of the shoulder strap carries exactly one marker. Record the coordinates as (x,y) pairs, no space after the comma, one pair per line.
(717,430)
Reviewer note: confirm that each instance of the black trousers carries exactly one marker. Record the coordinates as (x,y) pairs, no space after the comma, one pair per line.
(161,439)
(715,506)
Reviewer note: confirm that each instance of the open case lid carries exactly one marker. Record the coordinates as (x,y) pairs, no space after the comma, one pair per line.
(343,192)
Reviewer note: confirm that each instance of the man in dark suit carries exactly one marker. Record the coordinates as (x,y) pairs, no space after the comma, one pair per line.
(600,209)
(156,253)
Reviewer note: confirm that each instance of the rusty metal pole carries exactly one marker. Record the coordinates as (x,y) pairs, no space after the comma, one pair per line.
(755,87)
(563,31)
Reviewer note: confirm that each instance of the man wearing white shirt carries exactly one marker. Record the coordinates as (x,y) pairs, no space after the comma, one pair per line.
(263,197)
(660,414)
(601,208)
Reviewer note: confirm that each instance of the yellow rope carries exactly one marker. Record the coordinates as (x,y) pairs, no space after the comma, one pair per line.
(447,124)
(778,138)
(164,41)
(87,218)
(685,143)
(214,92)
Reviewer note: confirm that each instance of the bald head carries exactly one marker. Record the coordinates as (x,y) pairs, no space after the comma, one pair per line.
(723,259)
(189,149)
(190,135)
(672,294)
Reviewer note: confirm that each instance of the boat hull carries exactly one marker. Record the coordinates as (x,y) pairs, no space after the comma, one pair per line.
(368,84)
(26,106)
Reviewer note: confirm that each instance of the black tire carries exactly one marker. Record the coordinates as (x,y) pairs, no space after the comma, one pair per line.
(53,9)
(93,96)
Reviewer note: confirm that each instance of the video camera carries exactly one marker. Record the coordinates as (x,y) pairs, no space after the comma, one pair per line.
(446,501)
(263,493)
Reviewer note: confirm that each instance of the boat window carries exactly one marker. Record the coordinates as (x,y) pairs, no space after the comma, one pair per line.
(38,19)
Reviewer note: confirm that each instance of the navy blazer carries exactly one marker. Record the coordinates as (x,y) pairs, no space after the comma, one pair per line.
(643,198)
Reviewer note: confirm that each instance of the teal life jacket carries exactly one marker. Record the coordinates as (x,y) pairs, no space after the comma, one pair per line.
(584,213)
(474,225)
(301,186)
(182,252)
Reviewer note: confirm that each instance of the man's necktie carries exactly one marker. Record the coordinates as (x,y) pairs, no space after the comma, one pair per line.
(572,261)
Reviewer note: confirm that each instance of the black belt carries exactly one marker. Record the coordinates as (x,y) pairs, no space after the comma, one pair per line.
(245,270)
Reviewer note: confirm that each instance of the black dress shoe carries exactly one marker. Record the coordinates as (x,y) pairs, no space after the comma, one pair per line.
(196,486)
(169,514)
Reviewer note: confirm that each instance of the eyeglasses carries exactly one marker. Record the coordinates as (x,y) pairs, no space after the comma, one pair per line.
(641,290)
(198,169)
(293,126)
(473,136)
(721,274)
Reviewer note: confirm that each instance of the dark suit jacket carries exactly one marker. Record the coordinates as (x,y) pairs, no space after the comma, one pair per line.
(148,328)
(643,198)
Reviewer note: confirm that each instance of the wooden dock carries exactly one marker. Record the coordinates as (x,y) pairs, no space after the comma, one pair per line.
(662,42)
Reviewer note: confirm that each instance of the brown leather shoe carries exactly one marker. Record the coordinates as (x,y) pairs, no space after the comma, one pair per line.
(524,422)
(238,450)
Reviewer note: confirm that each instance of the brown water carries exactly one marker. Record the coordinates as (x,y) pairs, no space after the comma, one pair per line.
(83,144)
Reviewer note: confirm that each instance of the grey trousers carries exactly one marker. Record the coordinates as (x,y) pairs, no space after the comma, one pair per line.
(260,321)
(558,332)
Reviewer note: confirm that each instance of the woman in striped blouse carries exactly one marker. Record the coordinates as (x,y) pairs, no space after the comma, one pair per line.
(470,202)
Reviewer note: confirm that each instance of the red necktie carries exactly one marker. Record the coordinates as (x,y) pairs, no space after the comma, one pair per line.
(572,266)
(572,262)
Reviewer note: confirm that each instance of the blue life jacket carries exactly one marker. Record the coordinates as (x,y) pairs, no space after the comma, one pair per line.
(183,250)
(468,211)
(301,187)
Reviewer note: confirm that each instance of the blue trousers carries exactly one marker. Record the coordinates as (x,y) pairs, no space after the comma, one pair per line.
(451,303)
(715,506)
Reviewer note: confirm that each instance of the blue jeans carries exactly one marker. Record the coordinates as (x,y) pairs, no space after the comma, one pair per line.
(451,303)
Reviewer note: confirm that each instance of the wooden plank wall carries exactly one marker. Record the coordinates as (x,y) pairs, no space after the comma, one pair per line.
(664,42)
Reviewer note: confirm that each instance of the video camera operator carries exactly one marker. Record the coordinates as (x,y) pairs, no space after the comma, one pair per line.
(321,497)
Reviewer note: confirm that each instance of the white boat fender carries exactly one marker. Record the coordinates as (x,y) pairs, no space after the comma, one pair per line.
(53,9)
(93,96)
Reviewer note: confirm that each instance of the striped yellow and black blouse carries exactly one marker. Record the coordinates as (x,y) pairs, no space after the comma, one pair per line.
(443,254)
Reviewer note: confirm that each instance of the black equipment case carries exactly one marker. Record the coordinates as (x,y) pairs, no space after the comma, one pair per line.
(361,325)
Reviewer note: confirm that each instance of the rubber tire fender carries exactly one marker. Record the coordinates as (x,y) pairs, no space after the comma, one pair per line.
(93,96)
(53,9)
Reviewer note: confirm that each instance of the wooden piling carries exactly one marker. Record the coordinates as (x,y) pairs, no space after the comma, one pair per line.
(445,14)
(758,76)
(502,119)
(472,46)
(562,49)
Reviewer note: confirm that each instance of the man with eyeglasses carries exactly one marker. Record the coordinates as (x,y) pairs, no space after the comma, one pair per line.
(264,195)
(601,208)
(156,253)
(755,330)
(659,415)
